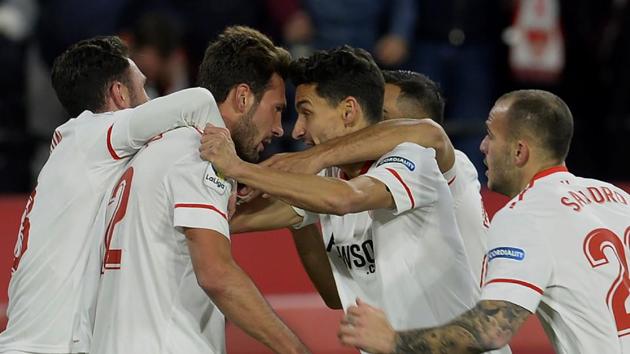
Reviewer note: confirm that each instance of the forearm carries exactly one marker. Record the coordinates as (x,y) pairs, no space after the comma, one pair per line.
(190,107)
(375,141)
(318,194)
(241,302)
(263,214)
(489,325)
(312,252)
(450,339)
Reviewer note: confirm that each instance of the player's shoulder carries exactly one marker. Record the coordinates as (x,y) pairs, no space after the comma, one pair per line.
(409,155)
(465,167)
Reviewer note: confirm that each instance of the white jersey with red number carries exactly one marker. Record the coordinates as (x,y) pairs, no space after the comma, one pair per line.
(561,248)
(470,213)
(149,300)
(88,154)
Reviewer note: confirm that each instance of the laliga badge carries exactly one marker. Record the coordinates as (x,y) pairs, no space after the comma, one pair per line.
(214,180)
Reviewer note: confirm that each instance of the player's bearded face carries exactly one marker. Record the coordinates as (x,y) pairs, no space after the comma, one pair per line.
(244,136)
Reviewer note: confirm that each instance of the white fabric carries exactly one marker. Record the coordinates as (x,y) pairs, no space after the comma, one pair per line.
(150,301)
(55,238)
(470,213)
(542,258)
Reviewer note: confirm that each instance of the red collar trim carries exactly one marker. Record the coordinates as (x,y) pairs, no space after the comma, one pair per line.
(366,166)
(549,171)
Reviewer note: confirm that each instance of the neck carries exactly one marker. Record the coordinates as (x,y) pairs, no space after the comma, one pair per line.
(530,172)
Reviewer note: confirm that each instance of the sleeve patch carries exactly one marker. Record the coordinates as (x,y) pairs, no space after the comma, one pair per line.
(213,180)
(514,253)
(400,160)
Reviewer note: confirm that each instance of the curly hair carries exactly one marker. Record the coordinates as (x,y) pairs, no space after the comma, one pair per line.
(241,55)
(82,74)
(342,72)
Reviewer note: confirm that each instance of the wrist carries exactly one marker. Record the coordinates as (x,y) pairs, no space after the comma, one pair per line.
(237,169)
(322,156)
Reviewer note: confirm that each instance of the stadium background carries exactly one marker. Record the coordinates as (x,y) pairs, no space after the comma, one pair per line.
(475,49)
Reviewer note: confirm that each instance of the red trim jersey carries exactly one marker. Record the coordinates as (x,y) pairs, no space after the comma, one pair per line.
(560,248)
(149,299)
(55,238)
(409,261)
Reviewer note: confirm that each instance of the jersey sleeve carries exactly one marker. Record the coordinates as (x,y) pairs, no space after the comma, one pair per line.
(190,107)
(199,196)
(411,174)
(519,264)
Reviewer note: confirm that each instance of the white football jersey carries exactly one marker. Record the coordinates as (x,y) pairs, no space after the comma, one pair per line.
(470,213)
(410,261)
(88,154)
(407,261)
(149,300)
(560,248)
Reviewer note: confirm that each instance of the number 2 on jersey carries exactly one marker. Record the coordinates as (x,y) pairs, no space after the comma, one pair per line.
(594,245)
(22,242)
(118,204)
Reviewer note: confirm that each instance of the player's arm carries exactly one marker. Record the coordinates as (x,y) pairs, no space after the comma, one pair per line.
(312,252)
(269,214)
(263,214)
(235,294)
(489,325)
(369,144)
(324,195)
(190,107)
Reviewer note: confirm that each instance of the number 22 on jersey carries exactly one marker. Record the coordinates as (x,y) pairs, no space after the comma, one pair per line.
(594,245)
(116,209)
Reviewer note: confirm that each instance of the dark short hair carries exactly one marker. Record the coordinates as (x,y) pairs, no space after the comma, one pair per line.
(83,73)
(342,72)
(545,116)
(418,90)
(241,55)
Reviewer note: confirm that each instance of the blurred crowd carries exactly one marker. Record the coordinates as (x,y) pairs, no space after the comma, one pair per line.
(475,50)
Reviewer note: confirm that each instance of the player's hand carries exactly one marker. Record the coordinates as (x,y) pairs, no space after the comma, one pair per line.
(296,162)
(366,327)
(217,147)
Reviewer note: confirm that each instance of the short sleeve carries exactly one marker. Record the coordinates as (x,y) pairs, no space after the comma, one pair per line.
(518,261)
(200,196)
(411,174)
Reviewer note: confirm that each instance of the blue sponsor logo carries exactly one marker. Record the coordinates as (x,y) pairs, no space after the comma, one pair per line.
(516,254)
(401,160)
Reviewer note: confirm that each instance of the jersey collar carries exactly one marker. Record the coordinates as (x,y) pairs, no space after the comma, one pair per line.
(366,166)
(549,171)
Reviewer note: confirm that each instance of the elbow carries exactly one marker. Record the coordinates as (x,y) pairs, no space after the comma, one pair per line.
(212,281)
(342,203)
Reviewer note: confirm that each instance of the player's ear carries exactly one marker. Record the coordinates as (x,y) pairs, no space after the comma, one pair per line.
(243,98)
(350,111)
(521,153)
(118,94)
